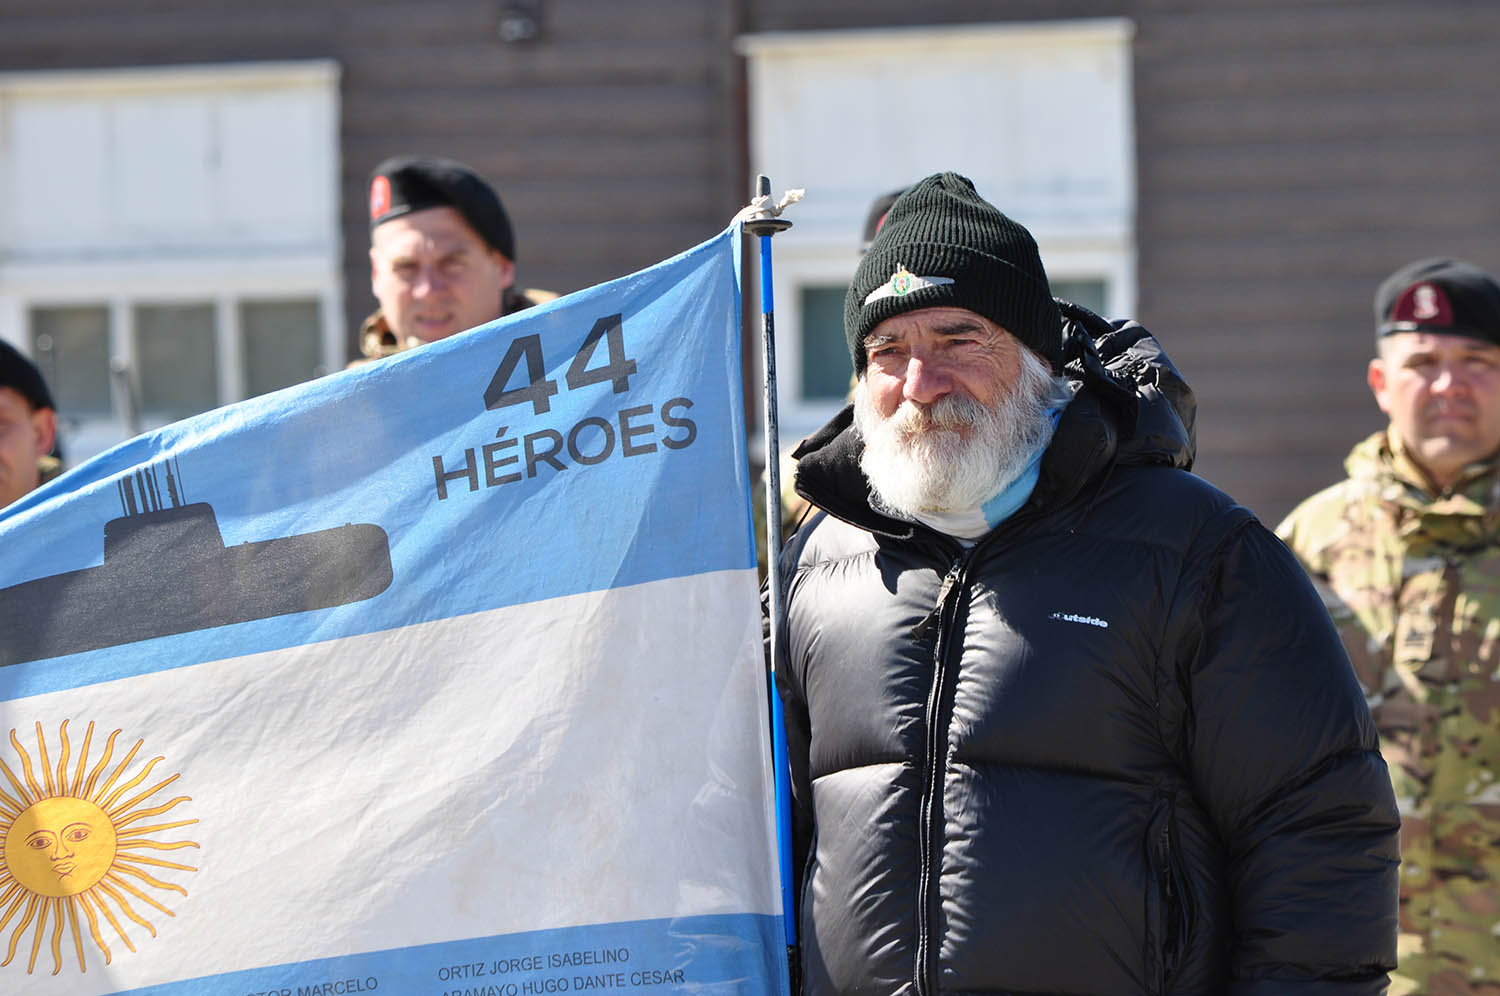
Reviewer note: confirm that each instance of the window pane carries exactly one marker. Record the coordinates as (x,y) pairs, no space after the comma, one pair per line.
(825,352)
(281,343)
(71,347)
(177,359)
(1089,293)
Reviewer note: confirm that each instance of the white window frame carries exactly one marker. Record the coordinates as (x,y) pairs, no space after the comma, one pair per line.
(121,290)
(821,249)
(222,275)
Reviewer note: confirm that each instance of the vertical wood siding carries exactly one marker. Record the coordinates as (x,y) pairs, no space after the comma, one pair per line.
(1290,154)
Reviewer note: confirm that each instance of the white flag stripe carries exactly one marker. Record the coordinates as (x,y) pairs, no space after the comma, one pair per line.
(472,816)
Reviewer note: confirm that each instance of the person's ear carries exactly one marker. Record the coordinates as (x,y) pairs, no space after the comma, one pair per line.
(1375,377)
(44,426)
(507,268)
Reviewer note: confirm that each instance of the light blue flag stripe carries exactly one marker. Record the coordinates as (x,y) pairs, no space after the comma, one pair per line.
(720,954)
(600,484)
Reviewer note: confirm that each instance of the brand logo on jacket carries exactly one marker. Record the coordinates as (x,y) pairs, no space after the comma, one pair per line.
(1075,618)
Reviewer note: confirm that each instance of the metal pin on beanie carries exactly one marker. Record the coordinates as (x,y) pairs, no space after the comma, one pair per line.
(942,245)
(902,283)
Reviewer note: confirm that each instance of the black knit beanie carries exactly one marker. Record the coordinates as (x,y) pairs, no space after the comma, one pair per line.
(1446,296)
(942,245)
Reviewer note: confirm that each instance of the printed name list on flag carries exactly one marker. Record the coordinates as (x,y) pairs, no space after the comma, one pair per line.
(441,675)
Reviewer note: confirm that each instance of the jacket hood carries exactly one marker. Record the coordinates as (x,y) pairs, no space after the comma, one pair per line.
(1130,406)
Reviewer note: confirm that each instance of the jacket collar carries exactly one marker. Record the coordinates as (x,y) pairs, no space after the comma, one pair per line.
(376,340)
(1468,513)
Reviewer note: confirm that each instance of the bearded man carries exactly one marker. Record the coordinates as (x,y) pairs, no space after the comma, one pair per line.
(1062,717)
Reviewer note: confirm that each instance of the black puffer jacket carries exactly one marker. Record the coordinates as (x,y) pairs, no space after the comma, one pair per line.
(1113,748)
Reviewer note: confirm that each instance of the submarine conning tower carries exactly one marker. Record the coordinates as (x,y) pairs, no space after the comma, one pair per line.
(150,525)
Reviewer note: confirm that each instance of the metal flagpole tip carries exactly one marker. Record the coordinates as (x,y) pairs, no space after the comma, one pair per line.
(762,215)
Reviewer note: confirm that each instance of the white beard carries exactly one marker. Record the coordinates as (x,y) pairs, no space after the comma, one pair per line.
(956,454)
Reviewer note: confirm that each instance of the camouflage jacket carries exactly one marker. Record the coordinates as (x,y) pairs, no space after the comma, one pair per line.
(1413,581)
(47,468)
(377,341)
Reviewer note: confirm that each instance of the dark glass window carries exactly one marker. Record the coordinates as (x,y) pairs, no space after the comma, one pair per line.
(71,348)
(177,359)
(825,352)
(280,344)
(1089,293)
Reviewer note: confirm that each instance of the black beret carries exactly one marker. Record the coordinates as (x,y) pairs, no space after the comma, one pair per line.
(21,375)
(403,184)
(1440,295)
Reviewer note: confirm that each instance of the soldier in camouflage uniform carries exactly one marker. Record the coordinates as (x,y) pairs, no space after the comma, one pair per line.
(28,427)
(442,255)
(1407,554)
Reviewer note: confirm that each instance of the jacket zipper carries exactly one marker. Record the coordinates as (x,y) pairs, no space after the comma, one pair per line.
(1172,918)
(928,835)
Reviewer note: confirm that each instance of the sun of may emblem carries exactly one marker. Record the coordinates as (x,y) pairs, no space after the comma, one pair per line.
(73,844)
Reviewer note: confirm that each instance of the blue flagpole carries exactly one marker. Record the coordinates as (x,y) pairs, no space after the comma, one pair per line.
(765,224)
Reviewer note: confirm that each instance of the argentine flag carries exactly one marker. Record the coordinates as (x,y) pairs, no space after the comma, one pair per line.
(437,676)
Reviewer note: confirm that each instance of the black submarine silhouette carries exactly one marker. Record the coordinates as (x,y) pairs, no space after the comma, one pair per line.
(166,570)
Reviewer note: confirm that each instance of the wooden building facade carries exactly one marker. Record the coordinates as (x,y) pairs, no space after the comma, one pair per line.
(1274,161)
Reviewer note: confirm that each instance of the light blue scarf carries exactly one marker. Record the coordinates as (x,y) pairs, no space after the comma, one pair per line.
(1004,505)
